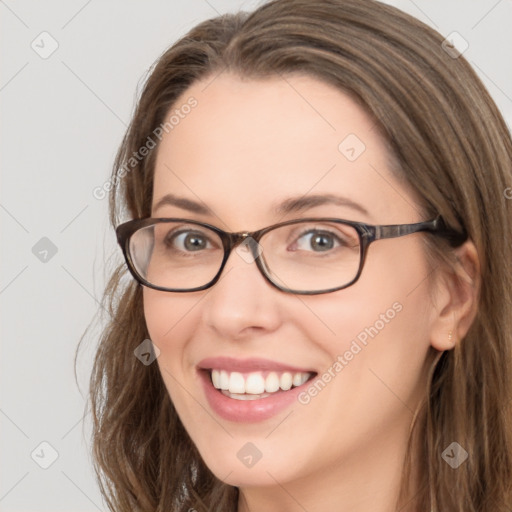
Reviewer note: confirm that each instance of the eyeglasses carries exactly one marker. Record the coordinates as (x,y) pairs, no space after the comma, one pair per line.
(303,256)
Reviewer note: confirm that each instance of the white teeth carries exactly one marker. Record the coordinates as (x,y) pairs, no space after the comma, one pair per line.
(244,396)
(297,379)
(224,380)
(286,381)
(255,384)
(272,382)
(236,383)
(216,379)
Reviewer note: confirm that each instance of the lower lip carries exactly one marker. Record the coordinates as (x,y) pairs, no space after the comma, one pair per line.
(247,411)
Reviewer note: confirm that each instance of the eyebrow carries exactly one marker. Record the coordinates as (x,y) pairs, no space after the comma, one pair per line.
(183,203)
(291,205)
(299,204)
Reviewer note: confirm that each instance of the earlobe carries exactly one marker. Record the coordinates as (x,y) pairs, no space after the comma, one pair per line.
(451,339)
(457,294)
(447,343)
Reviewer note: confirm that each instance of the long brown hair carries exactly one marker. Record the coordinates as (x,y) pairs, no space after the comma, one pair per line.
(452,147)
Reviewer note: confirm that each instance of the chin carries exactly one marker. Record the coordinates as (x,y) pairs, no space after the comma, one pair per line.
(245,463)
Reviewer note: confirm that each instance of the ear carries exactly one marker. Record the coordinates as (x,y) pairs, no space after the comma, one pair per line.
(456,298)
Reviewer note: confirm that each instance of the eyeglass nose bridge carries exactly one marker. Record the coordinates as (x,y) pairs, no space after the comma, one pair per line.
(250,243)
(251,254)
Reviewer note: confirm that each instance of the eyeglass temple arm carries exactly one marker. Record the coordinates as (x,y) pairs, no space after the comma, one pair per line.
(436,226)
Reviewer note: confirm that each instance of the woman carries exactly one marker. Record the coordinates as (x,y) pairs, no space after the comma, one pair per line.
(319,233)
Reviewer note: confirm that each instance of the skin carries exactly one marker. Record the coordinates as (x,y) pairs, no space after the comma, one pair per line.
(246,146)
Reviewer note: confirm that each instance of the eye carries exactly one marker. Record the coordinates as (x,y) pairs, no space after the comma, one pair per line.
(317,241)
(188,241)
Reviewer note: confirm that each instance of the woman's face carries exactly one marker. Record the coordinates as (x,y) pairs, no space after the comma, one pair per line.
(246,148)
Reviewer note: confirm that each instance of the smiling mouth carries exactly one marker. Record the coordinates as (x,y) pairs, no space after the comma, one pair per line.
(256,385)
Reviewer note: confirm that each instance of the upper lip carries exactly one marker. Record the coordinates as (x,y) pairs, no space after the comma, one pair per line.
(247,365)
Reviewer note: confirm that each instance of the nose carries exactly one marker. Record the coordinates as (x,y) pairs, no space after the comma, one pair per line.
(242,303)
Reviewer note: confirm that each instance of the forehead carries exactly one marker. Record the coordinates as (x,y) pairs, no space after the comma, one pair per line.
(246,144)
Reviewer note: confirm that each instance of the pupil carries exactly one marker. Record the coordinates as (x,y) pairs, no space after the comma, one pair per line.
(321,242)
(193,242)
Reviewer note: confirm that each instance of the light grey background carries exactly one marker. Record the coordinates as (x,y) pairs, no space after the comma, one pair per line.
(63,118)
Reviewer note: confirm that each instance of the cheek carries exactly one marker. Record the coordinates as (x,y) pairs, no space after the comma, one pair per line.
(171,321)
(167,315)
(390,295)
